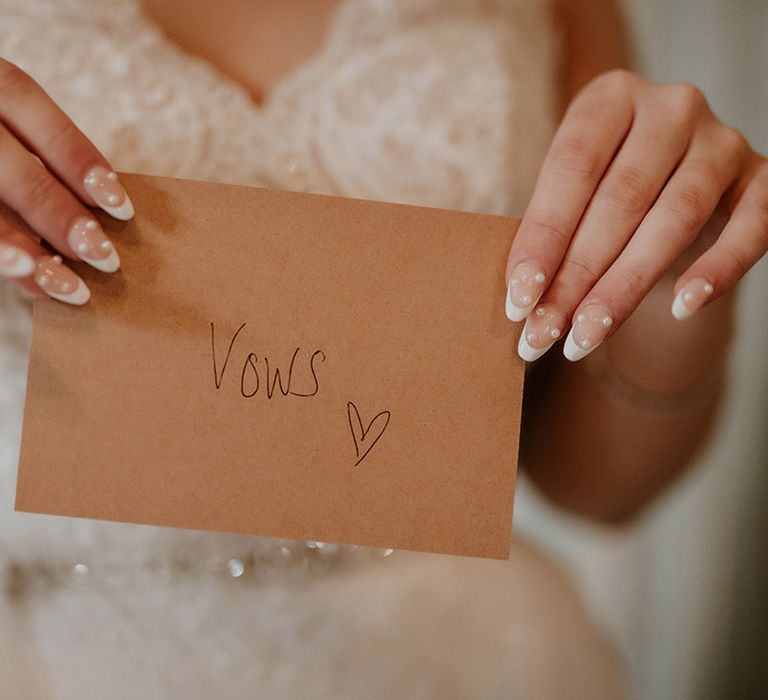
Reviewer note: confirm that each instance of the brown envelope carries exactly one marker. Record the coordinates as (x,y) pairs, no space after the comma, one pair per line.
(282,364)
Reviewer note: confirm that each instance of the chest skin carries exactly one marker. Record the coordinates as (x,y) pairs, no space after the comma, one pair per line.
(255,43)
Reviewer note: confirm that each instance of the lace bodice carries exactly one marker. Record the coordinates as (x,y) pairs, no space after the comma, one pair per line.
(437,102)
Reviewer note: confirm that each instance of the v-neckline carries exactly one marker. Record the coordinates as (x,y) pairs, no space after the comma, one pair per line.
(268,99)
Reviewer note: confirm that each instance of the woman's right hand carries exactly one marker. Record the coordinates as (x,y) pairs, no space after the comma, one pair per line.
(49,174)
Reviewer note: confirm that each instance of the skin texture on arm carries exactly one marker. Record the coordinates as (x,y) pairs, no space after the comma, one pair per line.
(590,448)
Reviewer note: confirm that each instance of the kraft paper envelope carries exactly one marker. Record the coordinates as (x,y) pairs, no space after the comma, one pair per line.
(282,364)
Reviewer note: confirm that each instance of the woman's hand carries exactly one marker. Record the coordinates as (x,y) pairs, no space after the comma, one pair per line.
(634,173)
(49,173)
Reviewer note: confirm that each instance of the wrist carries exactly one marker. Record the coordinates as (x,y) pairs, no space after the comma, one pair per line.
(662,354)
(625,388)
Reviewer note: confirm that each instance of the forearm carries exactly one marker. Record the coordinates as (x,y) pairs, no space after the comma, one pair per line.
(601,449)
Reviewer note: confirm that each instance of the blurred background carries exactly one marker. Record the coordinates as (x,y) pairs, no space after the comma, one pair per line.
(684,593)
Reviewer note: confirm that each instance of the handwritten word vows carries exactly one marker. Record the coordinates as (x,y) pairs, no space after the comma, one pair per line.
(259,374)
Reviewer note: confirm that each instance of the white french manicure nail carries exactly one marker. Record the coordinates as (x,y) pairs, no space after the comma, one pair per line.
(542,329)
(15,262)
(105,188)
(691,297)
(91,245)
(526,285)
(590,327)
(59,282)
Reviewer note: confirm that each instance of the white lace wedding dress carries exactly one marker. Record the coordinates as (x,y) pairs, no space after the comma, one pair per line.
(437,102)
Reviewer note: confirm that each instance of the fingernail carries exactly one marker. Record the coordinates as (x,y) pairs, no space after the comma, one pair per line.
(102,184)
(691,297)
(90,244)
(14,262)
(526,285)
(542,329)
(59,282)
(590,327)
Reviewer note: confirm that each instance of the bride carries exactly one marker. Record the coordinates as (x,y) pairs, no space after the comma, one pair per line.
(639,209)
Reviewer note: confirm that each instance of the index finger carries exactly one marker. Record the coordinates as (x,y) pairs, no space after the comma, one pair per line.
(592,130)
(43,127)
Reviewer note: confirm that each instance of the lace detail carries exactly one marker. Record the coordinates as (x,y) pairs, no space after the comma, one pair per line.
(422,101)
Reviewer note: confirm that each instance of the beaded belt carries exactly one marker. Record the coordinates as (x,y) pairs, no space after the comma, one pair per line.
(286,560)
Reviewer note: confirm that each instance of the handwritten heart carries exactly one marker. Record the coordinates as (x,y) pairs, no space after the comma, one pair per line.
(365,438)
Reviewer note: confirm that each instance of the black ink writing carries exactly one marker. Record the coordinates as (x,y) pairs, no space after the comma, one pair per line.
(218,378)
(365,438)
(250,361)
(277,381)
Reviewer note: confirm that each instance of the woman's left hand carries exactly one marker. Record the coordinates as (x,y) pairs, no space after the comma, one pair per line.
(634,173)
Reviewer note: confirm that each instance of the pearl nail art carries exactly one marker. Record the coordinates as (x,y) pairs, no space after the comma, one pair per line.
(89,243)
(691,297)
(526,285)
(102,184)
(59,282)
(589,328)
(14,262)
(542,329)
